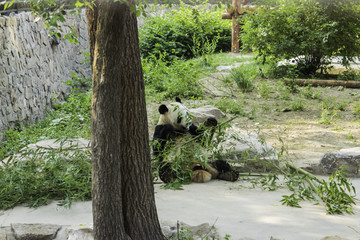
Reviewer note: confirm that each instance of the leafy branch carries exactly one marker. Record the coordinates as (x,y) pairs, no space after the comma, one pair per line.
(338,194)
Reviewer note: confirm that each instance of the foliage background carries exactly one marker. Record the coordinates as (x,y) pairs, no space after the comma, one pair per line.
(309,32)
(173,33)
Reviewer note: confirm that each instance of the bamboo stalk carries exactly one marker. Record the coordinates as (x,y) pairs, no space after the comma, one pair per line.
(306,173)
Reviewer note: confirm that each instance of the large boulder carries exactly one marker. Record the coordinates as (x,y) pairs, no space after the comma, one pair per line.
(249,151)
(201,114)
(246,150)
(347,158)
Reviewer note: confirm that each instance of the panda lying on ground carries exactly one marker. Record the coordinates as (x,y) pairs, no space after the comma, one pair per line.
(175,122)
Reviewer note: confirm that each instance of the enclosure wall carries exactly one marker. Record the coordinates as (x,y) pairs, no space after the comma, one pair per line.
(33,66)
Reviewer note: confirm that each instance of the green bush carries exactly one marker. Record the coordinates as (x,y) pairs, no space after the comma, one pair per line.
(349,75)
(174,32)
(170,79)
(309,32)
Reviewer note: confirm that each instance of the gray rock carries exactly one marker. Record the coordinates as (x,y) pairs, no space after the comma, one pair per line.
(76,143)
(200,231)
(224,68)
(203,113)
(248,151)
(169,232)
(45,146)
(347,158)
(188,231)
(80,234)
(35,231)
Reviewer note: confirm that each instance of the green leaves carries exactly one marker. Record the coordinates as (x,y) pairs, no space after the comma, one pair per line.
(63,174)
(170,79)
(337,193)
(315,30)
(172,32)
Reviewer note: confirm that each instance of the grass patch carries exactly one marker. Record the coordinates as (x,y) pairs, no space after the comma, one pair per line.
(55,175)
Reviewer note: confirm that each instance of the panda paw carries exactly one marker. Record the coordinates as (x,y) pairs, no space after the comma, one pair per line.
(225,171)
(166,173)
(230,176)
(210,122)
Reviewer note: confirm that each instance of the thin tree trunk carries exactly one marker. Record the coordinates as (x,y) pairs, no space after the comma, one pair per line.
(123,194)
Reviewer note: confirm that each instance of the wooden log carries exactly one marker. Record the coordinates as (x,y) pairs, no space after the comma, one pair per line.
(330,83)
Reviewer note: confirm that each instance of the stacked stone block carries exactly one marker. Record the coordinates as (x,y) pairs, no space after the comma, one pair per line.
(32,69)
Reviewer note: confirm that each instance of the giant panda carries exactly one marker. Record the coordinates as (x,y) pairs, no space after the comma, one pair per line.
(174,123)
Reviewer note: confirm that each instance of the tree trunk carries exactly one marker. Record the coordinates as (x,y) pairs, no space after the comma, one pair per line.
(123,193)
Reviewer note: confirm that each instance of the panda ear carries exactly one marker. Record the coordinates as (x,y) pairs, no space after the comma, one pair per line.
(177,99)
(163,109)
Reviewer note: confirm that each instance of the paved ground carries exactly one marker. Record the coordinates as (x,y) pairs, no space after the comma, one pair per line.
(232,208)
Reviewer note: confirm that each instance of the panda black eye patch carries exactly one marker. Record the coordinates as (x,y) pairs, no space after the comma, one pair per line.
(179,119)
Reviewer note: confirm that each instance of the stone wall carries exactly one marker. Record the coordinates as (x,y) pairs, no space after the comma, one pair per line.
(33,67)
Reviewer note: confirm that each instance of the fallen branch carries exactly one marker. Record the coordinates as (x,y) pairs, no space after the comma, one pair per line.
(335,193)
(304,172)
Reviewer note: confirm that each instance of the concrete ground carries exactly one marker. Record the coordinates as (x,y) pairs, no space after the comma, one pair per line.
(233,208)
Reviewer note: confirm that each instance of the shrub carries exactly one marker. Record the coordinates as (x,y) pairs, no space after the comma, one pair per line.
(309,32)
(174,32)
(244,76)
(170,79)
(349,75)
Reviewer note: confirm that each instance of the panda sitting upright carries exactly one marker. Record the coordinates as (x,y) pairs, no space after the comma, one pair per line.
(175,122)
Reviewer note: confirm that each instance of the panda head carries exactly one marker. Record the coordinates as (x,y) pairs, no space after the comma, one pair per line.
(176,115)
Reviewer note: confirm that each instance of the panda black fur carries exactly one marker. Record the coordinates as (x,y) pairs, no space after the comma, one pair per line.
(173,123)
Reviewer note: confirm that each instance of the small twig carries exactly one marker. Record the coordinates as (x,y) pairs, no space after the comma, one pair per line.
(178,229)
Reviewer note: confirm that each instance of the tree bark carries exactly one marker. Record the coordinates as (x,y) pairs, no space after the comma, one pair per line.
(122,188)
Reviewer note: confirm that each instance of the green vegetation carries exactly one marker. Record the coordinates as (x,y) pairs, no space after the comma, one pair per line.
(35,177)
(40,177)
(168,80)
(243,76)
(308,32)
(183,33)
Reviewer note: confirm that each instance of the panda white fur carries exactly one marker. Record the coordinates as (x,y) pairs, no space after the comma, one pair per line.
(174,122)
